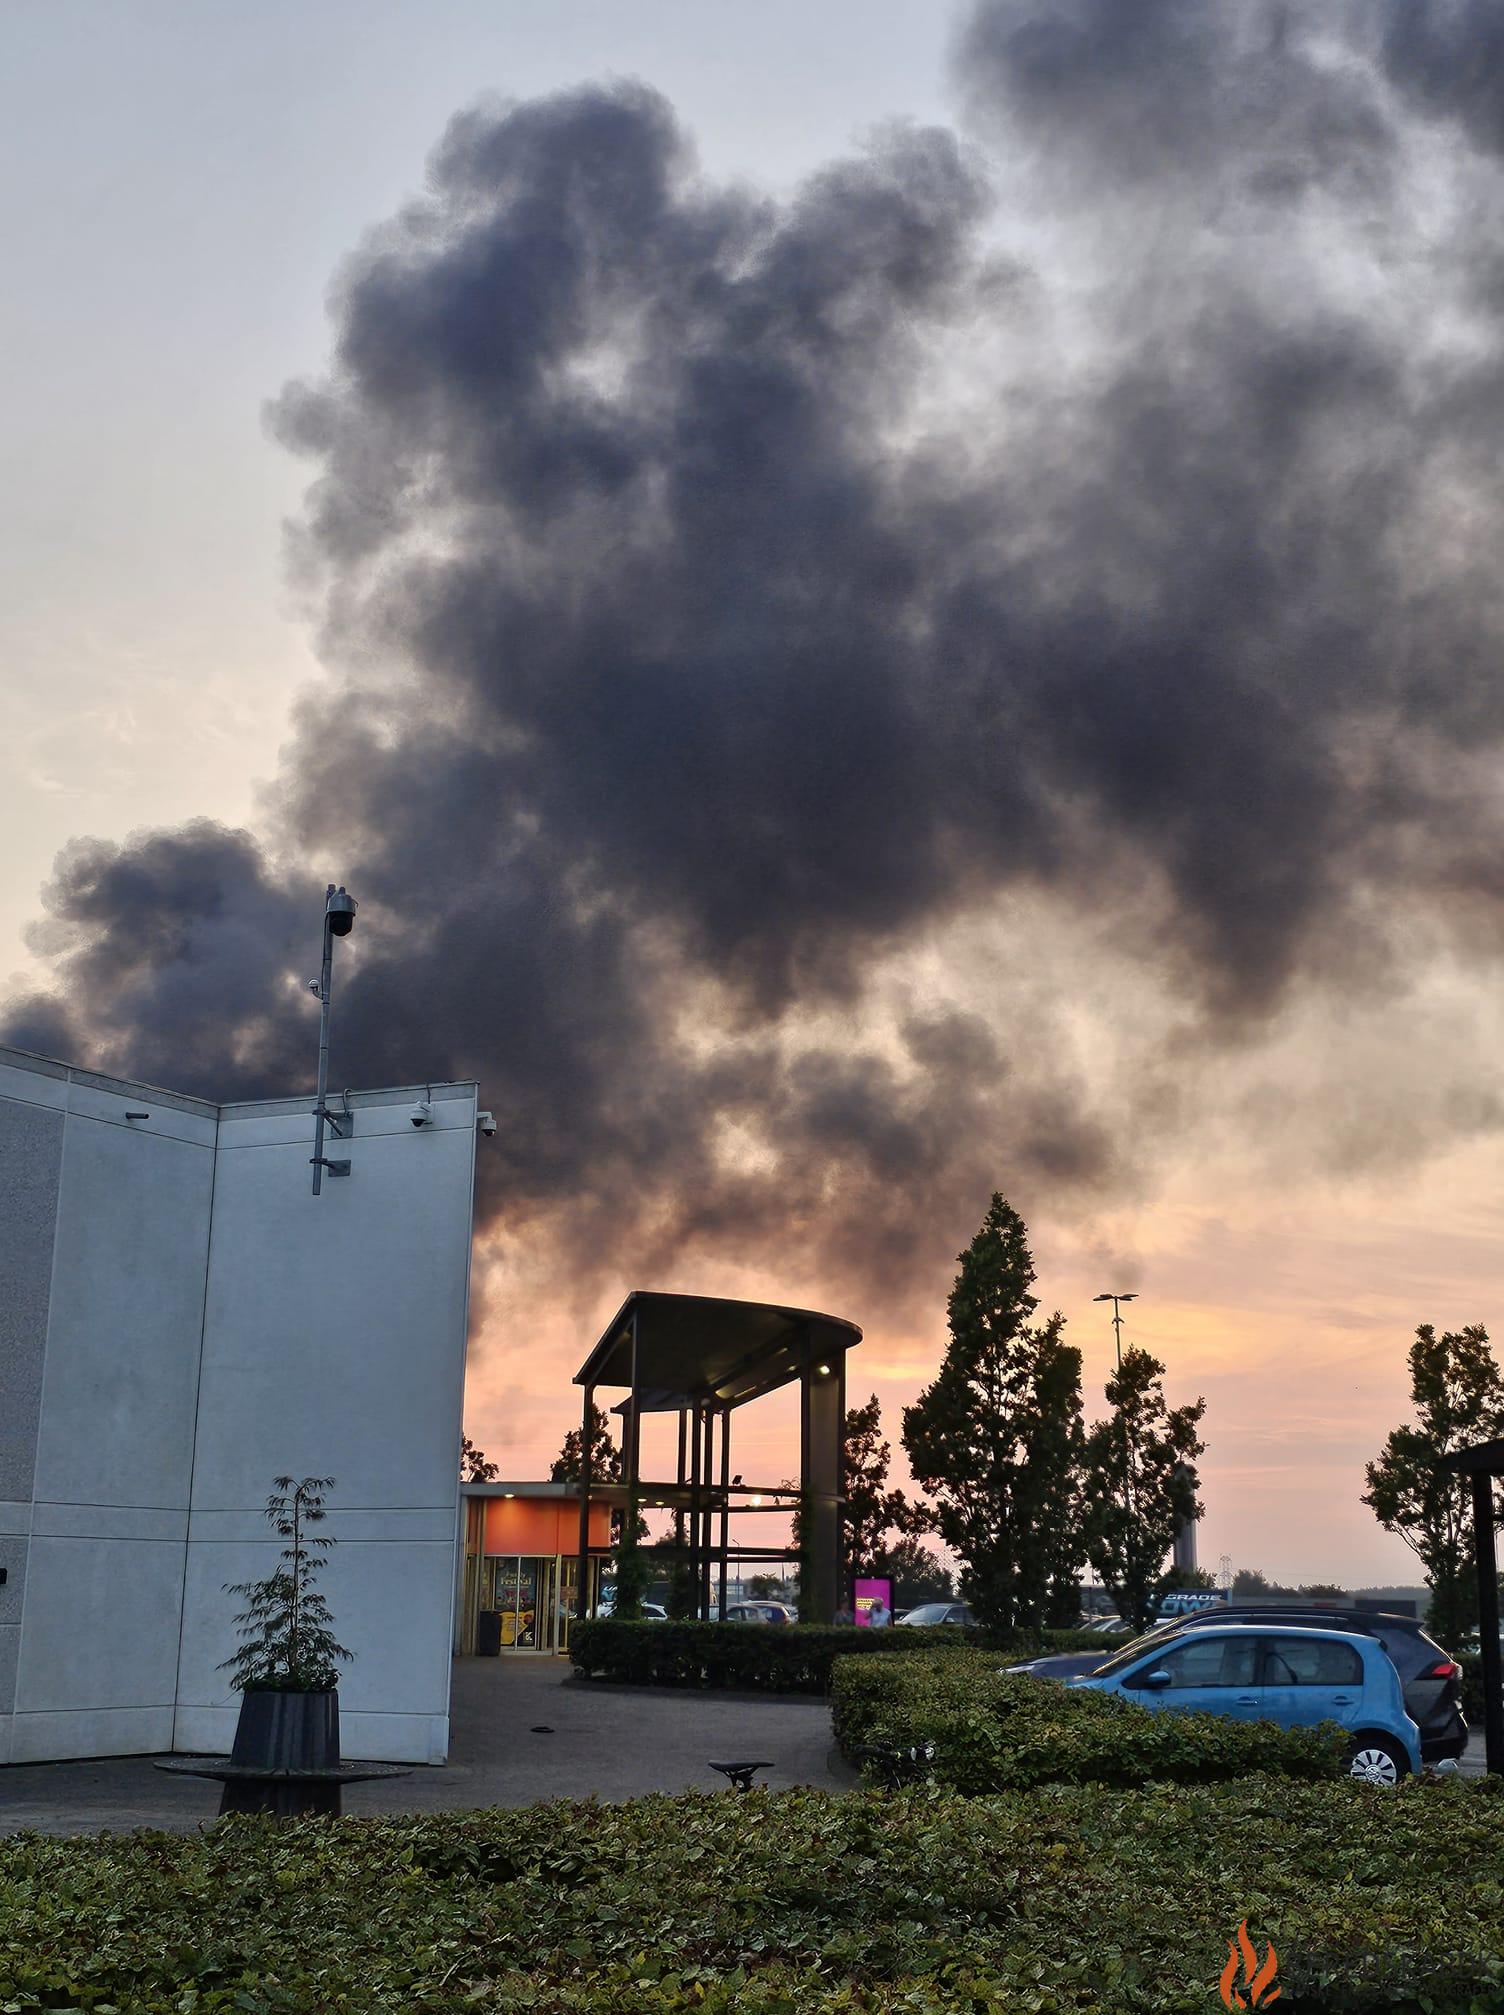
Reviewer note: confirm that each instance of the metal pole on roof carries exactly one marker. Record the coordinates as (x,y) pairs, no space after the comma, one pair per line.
(339,920)
(1488,1620)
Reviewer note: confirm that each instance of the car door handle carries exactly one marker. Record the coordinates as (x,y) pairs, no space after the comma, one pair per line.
(1342,1700)
(1247,1700)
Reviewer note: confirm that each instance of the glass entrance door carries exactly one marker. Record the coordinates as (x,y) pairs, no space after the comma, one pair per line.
(523,1590)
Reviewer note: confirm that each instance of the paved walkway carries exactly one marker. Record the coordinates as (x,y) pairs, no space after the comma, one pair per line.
(606,1742)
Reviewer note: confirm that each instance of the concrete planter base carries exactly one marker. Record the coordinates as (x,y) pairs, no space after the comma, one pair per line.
(287,1731)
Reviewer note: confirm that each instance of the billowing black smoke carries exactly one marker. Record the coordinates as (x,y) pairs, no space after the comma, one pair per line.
(724,599)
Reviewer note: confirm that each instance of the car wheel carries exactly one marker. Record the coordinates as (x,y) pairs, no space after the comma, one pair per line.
(1374,1759)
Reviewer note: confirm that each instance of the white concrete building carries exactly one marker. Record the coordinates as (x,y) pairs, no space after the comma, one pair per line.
(180,1322)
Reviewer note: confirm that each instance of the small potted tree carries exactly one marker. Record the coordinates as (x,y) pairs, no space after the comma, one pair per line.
(285,1669)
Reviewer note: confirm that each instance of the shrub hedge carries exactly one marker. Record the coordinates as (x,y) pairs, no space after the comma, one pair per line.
(994,1731)
(1472,1686)
(775,1658)
(1067,1899)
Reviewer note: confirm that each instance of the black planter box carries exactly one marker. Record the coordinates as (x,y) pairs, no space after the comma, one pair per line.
(287,1731)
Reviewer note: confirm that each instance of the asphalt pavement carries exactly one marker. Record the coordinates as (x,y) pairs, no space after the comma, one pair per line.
(522,1729)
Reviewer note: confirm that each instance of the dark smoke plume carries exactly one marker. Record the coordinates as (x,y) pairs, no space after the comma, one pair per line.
(728,602)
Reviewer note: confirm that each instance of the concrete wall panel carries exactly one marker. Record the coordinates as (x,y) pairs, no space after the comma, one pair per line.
(94,1731)
(31,1161)
(334,1331)
(390,1601)
(127,1314)
(101,1625)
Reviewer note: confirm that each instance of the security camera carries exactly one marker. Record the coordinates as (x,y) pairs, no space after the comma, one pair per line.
(422,1113)
(487,1123)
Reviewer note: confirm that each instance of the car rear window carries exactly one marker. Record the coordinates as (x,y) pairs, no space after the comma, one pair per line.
(1410,1650)
(1311,1661)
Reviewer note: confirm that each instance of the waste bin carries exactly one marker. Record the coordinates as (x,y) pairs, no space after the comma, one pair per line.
(488,1634)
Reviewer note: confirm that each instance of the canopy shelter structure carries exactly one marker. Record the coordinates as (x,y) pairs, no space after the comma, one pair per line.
(701,1358)
(1481,1464)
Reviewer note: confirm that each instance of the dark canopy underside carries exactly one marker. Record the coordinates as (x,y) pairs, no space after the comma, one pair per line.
(695,1347)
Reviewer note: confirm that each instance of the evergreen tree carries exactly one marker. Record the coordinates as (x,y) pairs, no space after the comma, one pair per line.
(632,1568)
(1140,1483)
(916,1574)
(607,1464)
(286,1630)
(1458,1398)
(996,1439)
(871,1510)
(475,1465)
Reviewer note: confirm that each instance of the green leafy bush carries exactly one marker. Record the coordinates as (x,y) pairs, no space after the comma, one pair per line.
(775,1658)
(993,1730)
(1472,1686)
(1058,1901)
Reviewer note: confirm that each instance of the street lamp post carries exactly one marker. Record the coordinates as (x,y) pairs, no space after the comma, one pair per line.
(1117,1331)
(1117,1318)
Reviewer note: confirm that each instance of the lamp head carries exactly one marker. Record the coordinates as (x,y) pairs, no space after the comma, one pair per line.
(339,911)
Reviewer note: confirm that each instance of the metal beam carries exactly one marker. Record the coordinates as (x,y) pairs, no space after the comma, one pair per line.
(582,1588)
(725,1504)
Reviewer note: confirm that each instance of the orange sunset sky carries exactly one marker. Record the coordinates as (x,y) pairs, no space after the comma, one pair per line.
(877,603)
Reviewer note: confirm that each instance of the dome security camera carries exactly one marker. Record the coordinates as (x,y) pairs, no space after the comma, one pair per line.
(487,1123)
(421,1114)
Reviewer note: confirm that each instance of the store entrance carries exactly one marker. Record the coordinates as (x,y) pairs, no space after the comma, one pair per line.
(522,1589)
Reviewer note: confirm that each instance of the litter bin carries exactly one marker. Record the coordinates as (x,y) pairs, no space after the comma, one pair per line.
(488,1634)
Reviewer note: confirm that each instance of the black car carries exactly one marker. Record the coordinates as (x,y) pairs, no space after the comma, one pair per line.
(1431,1678)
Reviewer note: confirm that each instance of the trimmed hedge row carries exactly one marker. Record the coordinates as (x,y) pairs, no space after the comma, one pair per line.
(1060,1901)
(775,1658)
(1472,1686)
(994,1731)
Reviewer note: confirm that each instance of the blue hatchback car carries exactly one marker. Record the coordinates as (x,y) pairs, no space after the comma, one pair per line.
(1296,1678)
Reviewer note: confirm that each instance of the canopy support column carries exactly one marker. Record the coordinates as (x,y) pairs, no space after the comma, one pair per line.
(1488,1620)
(582,1605)
(725,1508)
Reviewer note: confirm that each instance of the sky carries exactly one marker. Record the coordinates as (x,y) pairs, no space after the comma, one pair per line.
(878,603)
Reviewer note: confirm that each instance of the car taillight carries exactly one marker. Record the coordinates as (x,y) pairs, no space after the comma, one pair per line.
(1443,1669)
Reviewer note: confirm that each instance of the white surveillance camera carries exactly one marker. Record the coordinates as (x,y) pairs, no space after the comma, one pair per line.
(422,1113)
(487,1123)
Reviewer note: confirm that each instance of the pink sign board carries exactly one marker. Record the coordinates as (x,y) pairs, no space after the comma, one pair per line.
(868,1595)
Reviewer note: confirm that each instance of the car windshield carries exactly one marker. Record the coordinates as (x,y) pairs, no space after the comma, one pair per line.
(1138,1647)
(929,1612)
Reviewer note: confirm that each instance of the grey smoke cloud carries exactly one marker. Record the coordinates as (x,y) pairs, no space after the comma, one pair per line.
(694,660)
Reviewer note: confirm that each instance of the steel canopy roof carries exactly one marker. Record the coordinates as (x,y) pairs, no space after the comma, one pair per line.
(695,1347)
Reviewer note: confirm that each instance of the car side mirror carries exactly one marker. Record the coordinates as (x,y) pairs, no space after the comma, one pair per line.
(1156,1680)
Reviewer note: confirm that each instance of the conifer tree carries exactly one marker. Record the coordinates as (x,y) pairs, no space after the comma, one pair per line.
(1140,1483)
(1458,1397)
(996,1439)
